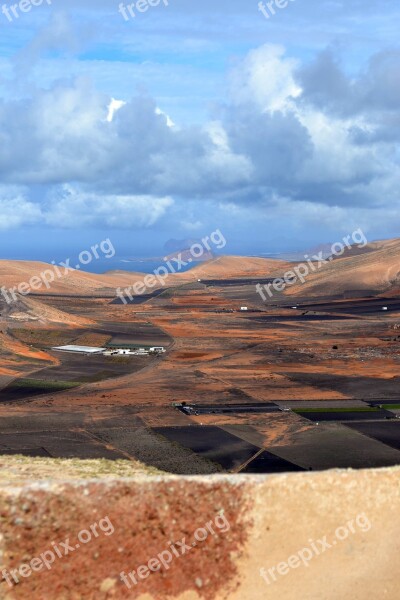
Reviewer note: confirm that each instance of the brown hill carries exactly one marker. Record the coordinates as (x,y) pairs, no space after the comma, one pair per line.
(13,273)
(230,267)
(30,310)
(372,269)
(375,270)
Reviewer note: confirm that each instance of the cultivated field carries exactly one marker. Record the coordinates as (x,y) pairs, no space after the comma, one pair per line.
(308,388)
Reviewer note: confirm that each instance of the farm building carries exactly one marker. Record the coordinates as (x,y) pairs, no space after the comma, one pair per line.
(80,349)
(136,352)
(112,351)
(125,351)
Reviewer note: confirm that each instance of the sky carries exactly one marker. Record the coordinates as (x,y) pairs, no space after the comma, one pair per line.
(197,115)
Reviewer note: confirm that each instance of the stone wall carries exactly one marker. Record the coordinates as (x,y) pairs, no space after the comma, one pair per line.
(331,535)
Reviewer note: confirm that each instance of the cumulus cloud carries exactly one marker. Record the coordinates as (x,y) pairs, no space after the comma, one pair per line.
(265,78)
(72,207)
(71,137)
(69,206)
(310,133)
(15,209)
(375,90)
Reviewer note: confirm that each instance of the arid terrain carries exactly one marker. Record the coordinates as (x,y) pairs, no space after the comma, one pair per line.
(268,389)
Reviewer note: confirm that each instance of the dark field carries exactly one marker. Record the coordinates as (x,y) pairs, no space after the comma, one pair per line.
(367,306)
(364,388)
(270,463)
(212,443)
(387,433)
(58,444)
(386,402)
(238,371)
(138,299)
(26,388)
(361,415)
(235,282)
(301,317)
(202,409)
(333,445)
(75,370)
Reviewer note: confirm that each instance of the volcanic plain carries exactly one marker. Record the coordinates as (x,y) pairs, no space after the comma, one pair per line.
(307,380)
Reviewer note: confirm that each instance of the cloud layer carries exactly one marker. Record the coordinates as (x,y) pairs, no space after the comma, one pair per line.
(293,130)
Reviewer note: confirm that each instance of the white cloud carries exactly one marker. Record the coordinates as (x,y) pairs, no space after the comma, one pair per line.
(170,122)
(123,163)
(113,107)
(72,207)
(16,210)
(265,78)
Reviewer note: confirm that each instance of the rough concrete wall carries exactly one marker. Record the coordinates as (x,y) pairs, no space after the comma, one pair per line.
(331,535)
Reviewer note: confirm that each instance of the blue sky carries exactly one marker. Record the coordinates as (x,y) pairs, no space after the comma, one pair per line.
(282,132)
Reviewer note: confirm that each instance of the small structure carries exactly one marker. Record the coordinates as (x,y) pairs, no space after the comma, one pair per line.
(158,349)
(244,308)
(126,352)
(80,349)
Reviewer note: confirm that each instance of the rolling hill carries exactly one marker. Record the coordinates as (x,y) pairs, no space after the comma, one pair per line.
(374,269)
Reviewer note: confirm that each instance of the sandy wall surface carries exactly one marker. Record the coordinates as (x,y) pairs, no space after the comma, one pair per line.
(331,535)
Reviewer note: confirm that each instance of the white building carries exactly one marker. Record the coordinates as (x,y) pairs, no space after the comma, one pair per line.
(80,349)
(126,351)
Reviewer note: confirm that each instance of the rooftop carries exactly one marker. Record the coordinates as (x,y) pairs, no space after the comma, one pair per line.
(86,349)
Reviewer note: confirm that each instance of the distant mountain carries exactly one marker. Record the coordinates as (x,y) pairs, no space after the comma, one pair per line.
(174,248)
